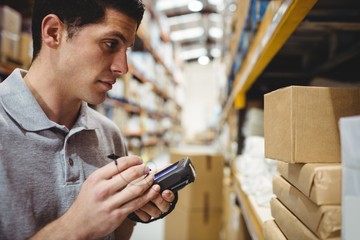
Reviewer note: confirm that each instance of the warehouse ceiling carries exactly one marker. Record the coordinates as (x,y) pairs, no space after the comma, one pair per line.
(196,26)
(325,45)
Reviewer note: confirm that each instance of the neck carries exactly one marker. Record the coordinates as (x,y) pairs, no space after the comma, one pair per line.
(52,96)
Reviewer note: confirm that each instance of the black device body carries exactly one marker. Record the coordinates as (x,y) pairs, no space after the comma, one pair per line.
(176,176)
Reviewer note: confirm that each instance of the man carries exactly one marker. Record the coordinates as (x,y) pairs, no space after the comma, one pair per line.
(56,181)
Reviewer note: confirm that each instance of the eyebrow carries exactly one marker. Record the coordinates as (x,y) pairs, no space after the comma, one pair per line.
(120,36)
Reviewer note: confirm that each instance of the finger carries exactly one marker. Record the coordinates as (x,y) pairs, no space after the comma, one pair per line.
(151,210)
(168,195)
(132,203)
(135,175)
(143,215)
(136,191)
(123,163)
(161,203)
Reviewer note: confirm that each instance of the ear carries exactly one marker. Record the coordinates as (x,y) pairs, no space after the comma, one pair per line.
(52,29)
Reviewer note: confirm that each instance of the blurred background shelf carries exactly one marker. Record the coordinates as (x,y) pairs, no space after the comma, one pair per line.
(278,23)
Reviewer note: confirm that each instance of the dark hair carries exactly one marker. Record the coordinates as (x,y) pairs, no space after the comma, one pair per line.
(78,13)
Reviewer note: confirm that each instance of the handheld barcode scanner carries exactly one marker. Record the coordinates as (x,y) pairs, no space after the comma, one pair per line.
(173,178)
(176,176)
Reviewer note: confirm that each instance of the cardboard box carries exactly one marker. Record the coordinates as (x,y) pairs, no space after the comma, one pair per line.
(10,27)
(301,123)
(321,182)
(273,232)
(208,163)
(324,221)
(289,224)
(197,196)
(9,46)
(10,20)
(229,196)
(26,50)
(187,224)
(208,186)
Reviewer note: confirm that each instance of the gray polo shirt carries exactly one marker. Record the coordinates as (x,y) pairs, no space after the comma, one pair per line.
(43,164)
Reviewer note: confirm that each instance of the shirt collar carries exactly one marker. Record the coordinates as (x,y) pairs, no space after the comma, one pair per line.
(20,104)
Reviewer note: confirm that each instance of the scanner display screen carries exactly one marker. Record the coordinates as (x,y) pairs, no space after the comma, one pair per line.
(162,173)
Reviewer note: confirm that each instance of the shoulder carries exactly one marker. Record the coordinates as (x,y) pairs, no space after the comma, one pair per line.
(11,83)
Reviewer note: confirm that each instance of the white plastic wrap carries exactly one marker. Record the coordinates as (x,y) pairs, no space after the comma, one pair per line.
(255,171)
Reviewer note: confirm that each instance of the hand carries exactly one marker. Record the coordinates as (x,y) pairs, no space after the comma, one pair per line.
(105,200)
(157,206)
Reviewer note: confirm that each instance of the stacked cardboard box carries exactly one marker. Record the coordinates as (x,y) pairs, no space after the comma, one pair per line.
(198,213)
(272,231)
(26,50)
(324,221)
(10,29)
(15,45)
(301,130)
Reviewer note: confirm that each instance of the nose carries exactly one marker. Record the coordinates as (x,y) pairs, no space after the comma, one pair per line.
(119,64)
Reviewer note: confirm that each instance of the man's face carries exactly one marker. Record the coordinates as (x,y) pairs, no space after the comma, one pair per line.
(90,61)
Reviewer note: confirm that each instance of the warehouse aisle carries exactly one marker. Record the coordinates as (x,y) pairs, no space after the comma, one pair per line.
(154,230)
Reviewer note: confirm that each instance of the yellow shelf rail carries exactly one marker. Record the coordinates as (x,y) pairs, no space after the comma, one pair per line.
(280,20)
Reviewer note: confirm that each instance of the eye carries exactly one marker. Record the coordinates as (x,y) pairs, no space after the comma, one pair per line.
(112,44)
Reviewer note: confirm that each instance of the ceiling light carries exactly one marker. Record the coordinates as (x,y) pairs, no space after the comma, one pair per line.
(215,18)
(232,7)
(195,6)
(214,2)
(187,34)
(192,53)
(216,32)
(166,5)
(204,60)
(215,52)
(185,19)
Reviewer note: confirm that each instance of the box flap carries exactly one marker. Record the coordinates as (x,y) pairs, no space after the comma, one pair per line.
(278,119)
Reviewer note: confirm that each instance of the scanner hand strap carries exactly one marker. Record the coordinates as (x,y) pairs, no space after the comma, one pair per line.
(134,217)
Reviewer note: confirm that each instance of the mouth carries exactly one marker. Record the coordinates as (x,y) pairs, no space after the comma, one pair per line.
(107,85)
